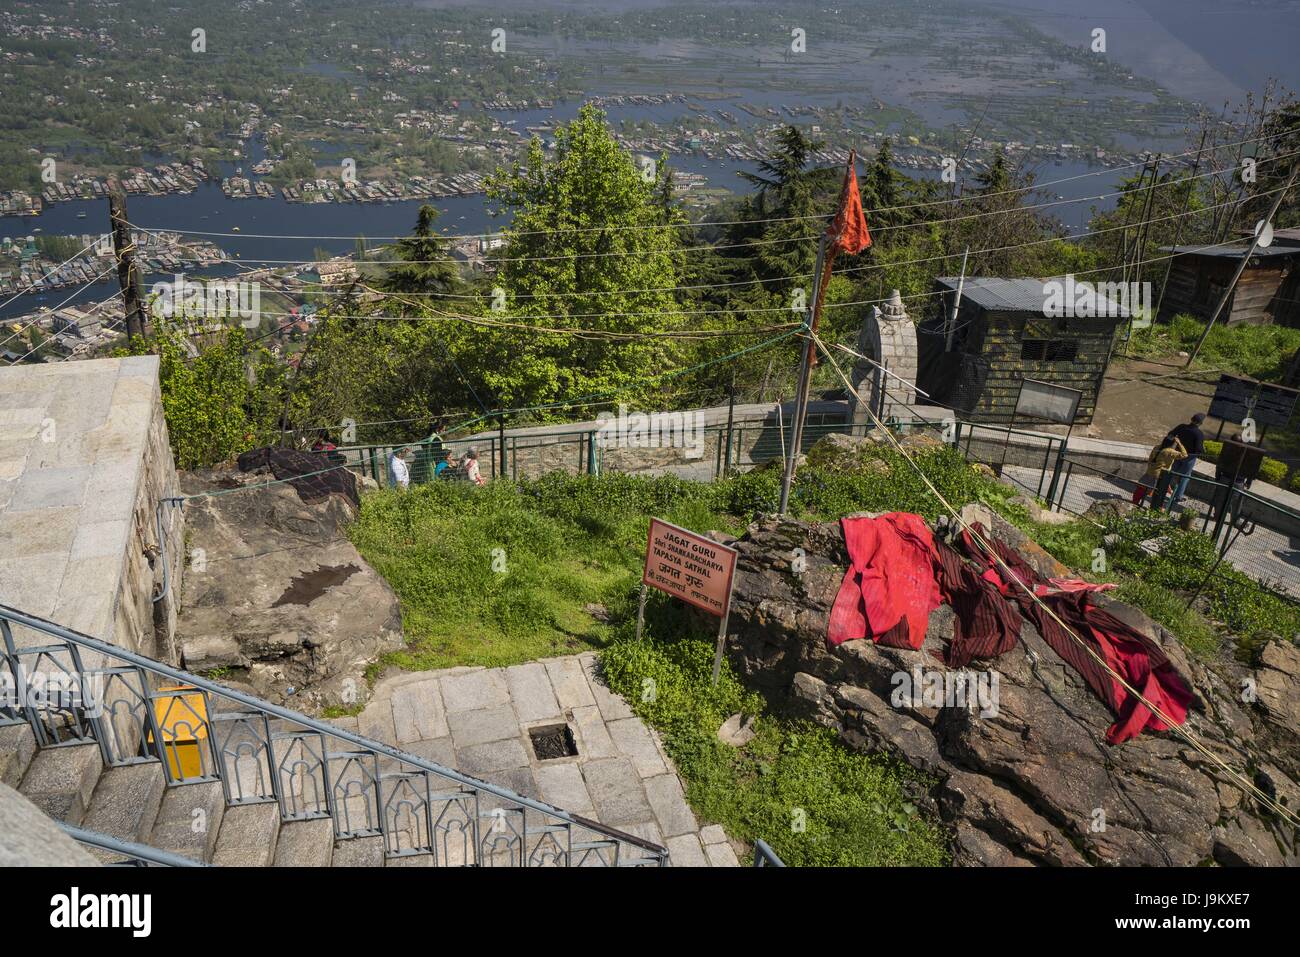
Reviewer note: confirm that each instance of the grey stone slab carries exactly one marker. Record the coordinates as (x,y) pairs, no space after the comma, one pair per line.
(616,792)
(531,693)
(438,750)
(474,690)
(60,781)
(418,713)
(685,851)
(51,488)
(594,741)
(713,834)
(376,721)
(521,781)
(569,682)
(481,759)
(141,366)
(125,802)
(112,487)
(32,583)
(612,707)
(669,803)
(359,852)
(17,747)
(189,820)
(469,728)
(721,855)
(101,539)
(647,831)
(634,740)
(562,785)
(410,860)
(40,532)
(305,844)
(248,836)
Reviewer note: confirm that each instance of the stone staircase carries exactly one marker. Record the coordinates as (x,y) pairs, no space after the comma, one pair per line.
(263,786)
(133,803)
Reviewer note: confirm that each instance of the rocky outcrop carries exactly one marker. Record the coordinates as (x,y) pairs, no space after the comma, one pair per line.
(276,598)
(1031,780)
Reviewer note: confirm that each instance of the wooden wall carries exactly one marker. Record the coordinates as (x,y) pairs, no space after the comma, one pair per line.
(1197,282)
(1001,345)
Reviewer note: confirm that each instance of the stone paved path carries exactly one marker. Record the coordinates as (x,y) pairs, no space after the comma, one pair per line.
(1266,555)
(477,720)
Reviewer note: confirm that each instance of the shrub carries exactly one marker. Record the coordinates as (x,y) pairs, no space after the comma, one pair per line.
(1272,471)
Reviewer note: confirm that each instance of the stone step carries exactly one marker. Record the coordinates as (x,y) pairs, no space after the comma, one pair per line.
(305,844)
(60,781)
(17,748)
(248,836)
(189,820)
(125,804)
(359,852)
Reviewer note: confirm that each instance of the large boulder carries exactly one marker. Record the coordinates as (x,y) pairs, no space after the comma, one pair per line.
(1031,781)
(275,598)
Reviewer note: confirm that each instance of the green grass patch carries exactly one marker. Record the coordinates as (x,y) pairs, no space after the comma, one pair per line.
(504,574)
(1258,351)
(794,784)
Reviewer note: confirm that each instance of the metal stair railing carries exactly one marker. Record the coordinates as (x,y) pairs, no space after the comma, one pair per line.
(73,689)
(764,856)
(132,854)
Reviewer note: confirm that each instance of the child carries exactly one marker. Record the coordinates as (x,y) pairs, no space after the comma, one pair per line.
(1161,460)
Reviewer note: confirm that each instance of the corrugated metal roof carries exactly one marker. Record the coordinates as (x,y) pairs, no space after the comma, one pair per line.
(1232,252)
(1017,295)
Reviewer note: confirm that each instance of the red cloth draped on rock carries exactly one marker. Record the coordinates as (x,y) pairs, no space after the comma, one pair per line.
(898,573)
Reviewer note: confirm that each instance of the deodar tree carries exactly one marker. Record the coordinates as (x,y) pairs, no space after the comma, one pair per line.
(589,251)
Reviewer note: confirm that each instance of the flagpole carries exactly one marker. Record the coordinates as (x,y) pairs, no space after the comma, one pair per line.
(848,232)
(805,375)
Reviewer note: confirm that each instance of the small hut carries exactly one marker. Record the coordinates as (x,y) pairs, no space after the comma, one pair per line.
(1265,293)
(1006,330)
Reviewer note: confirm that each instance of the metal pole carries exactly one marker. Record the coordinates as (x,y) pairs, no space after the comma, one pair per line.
(1060,461)
(805,375)
(956,302)
(731,415)
(501,431)
(1241,267)
(717,651)
(128,276)
(640,612)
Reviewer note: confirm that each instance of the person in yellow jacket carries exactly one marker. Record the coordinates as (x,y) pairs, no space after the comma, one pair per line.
(1158,476)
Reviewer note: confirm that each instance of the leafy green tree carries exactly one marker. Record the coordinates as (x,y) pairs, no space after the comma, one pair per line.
(220,397)
(588,252)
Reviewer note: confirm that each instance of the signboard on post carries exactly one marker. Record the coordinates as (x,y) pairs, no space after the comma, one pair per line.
(691,567)
(1044,401)
(1237,397)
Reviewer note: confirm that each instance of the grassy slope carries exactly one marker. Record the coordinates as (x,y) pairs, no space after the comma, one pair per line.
(567,542)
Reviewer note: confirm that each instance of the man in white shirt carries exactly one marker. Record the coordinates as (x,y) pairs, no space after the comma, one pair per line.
(399,474)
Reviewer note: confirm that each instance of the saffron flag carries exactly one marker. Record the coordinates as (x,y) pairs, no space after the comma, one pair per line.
(848,230)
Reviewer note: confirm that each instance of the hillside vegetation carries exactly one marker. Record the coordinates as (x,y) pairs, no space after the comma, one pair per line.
(517,571)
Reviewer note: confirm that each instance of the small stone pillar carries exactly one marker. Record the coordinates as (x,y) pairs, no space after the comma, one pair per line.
(888,339)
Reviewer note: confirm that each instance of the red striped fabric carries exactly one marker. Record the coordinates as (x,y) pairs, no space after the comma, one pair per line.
(898,573)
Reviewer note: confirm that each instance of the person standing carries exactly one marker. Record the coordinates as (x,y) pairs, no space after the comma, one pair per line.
(1193,440)
(1162,458)
(399,474)
(471,467)
(448,462)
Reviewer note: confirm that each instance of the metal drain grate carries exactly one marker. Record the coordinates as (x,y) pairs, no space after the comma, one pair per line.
(553,741)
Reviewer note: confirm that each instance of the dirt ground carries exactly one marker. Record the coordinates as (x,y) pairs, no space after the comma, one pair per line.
(1142,399)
